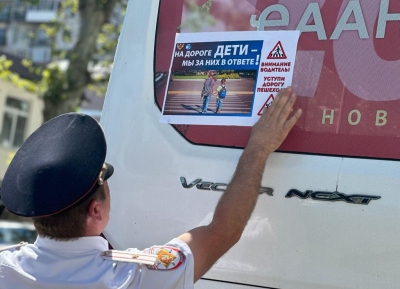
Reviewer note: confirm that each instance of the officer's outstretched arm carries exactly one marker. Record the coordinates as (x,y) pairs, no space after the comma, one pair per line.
(209,243)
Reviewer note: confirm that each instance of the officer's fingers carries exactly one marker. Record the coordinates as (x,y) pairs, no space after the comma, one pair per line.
(271,108)
(287,109)
(280,101)
(292,121)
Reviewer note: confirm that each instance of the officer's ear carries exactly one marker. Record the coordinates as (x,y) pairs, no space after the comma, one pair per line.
(95,210)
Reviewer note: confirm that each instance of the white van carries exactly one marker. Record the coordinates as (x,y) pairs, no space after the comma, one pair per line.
(333,218)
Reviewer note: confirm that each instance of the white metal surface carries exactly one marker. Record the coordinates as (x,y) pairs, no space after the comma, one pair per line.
(289,242)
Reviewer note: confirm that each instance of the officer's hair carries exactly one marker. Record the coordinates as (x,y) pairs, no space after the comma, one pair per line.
(69,224)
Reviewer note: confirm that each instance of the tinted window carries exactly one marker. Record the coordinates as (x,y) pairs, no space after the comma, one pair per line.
(345,74)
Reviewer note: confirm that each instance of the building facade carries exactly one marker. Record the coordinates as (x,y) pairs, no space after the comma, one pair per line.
(22,33)
(20,112)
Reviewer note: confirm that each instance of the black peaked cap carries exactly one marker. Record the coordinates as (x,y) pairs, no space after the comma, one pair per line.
(57,167)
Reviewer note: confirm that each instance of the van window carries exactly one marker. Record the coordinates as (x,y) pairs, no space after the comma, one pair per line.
(346,72)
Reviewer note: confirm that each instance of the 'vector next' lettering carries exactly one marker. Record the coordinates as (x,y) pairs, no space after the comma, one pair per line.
(210,186)
(332,196)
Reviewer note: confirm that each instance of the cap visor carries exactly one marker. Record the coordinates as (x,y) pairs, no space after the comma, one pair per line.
(109,172)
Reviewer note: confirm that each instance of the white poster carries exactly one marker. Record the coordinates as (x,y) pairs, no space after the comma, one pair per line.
(227,78)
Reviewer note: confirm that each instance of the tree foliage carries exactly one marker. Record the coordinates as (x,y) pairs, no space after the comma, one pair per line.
(6,74)
(62,86)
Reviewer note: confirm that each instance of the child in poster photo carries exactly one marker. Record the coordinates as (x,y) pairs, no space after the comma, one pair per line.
(221,94)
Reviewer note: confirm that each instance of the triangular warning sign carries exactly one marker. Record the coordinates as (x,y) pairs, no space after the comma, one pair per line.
(277,52)
(267,103)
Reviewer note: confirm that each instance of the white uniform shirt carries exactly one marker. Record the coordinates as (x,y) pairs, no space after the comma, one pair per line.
(78,264)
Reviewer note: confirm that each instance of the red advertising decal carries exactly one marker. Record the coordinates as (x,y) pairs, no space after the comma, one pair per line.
(346,72)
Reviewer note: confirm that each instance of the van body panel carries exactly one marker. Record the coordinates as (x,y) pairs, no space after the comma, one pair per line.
(289,242)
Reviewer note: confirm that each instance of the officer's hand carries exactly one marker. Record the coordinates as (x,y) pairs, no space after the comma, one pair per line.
(273,126)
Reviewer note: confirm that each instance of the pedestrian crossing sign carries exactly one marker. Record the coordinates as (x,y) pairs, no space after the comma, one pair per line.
(277,52)
(266,104)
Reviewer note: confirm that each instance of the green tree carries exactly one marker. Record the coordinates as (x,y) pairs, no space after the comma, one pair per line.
(64,94)
(63,89)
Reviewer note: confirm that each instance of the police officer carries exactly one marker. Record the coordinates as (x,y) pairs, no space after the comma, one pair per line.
(59,179)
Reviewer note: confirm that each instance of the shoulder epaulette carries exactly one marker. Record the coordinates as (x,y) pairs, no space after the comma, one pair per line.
(131,257)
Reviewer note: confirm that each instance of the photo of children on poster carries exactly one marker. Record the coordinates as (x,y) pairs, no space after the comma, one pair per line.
(227,78)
